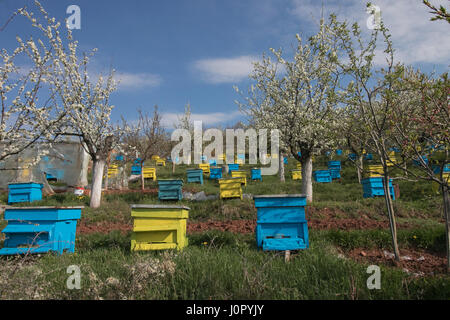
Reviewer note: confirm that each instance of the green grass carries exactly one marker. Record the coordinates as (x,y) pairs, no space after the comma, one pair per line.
(216,265)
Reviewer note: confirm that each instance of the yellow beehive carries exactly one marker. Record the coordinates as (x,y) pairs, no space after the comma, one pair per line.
(154,158)
(374,170)
(296,174)
(222,157)
(299,165)
(230,188)
(204,167)
(161,162)
(149,173)
(158,227)
(240,174)
(392,159)
(113,170)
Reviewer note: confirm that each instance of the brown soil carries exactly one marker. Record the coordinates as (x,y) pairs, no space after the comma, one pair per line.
(103,227)
(414,261)
(115,191)
(246,226)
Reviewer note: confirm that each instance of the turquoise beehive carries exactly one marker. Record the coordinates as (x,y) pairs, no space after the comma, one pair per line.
(24,192)
(281,223)
(40,229)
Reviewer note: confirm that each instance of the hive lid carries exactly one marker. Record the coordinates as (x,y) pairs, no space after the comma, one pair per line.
(43,207)
(280,196)
(157,206)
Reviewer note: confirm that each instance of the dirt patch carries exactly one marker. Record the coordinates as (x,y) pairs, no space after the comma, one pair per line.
(245,226)
(413,261)
(116,191)
(235,226)
(103,227)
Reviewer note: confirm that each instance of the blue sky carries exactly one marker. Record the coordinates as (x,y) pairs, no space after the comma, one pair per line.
(173,52)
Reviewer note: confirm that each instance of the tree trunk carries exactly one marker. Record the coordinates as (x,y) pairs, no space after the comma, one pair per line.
(359,167)
(307,178)
(281,158)
(142,176)
(47,189)
(173,166)
(97,177)
(142,180)
(391,215)
(447,223)
(106,176)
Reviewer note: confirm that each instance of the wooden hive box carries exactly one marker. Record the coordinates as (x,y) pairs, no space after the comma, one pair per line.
(281,223)
(240,174)
(161,162)
(170,189)
(335,169)
(230,188)
(113,170)
(24,192)
(40,229)
(149,173)
(296,174)
(256,174)
(374,170)
(373,187)
(215,173)
(205,167)
(232,167)
(136,170)
(322,176)
(158,227)
(195,176)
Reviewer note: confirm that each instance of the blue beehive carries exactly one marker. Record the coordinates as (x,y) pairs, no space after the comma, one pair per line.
(137,161)
(256,174)
(281,222)
(368,156)
(136,169)
(373,186)
(119,158)
(339,152)
(40,229)
(335,169)
(170,189)
(322,176)
(437,168)
(233,166)
(285,160)
(352,156)
(215,173)
(212,162)
(195,175)
(24,192)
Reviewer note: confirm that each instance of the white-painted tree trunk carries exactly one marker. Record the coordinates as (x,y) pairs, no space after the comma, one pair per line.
(307,178)
(97,179)
(281,158)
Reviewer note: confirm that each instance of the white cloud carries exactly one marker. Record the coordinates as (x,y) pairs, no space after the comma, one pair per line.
(169,119)
(415,38)
(225,70)
(138,80)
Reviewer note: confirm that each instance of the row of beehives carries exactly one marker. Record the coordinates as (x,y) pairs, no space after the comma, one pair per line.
(281,225)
